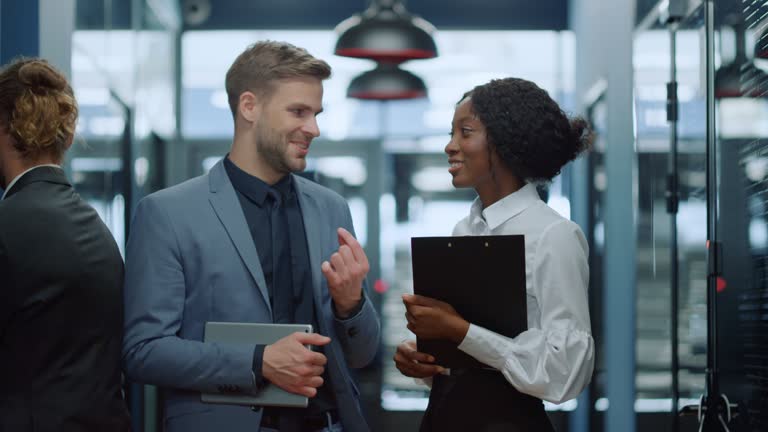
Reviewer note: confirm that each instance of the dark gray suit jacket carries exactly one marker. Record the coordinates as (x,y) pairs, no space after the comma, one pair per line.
(61,314)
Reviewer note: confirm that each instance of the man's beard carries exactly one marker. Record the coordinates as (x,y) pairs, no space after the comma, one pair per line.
(272,147)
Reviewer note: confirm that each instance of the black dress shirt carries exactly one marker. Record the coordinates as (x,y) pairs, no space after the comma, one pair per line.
(284,257)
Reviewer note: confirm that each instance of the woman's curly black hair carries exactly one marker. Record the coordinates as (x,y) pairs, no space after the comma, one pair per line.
(530,133)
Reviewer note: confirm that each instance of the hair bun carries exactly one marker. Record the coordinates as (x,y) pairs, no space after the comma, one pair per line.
(582,133)
(40,76)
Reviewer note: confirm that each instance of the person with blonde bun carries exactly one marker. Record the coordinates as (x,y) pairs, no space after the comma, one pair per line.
(61,273)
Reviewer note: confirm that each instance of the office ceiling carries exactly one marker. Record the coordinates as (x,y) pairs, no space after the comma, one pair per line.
(486,14)
(325,14)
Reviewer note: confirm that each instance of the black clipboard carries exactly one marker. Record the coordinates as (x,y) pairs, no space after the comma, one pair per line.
(482,277)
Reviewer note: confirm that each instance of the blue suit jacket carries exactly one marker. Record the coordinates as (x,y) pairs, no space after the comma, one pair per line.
(191,259)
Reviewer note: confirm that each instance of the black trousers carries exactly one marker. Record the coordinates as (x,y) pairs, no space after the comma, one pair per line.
(481,400)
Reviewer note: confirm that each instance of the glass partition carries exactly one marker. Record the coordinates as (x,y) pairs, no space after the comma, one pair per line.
(655,282)
(741,125)
(736,207)
(670,241)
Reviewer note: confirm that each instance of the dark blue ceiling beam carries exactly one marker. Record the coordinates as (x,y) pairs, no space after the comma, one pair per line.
(325,14)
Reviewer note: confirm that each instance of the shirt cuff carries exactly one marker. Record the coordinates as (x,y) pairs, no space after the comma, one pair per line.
(355,312)
(258,362)
(478,342)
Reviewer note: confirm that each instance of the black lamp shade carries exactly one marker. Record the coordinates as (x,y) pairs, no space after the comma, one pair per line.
(387,82)
(386,34)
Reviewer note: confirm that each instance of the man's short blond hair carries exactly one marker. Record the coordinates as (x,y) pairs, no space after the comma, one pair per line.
(258,67)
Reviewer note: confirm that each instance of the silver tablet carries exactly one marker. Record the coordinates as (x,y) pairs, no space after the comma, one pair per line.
(254,334)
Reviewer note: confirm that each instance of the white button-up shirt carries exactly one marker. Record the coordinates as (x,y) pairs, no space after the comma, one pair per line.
(554,358)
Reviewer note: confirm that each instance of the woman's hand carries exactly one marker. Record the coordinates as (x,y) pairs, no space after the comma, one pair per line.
(414,364)
(433,319)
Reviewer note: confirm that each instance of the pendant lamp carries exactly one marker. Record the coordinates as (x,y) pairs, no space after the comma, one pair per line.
(386,32)
(387,82)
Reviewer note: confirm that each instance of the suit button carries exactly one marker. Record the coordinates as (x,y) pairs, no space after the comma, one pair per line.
(352,332)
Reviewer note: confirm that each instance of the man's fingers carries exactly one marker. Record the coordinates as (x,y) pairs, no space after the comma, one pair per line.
(326,267)
(311,338)
(346,238)
(337,262)
(348,257)
(330,275)
(315,358)
(314,381)
(307,387)
(309,370)
(305,391)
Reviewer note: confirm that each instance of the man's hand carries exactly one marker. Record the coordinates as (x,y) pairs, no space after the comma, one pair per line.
(289,365)
(433,319)
(345,273)
(414,364)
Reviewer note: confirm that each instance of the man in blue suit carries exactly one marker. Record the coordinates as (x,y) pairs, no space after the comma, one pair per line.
(252,242)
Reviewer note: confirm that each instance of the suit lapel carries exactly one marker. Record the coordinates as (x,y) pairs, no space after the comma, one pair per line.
(227,207)
(310,212)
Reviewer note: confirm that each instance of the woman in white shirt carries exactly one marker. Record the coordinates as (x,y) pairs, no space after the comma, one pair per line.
(506,136)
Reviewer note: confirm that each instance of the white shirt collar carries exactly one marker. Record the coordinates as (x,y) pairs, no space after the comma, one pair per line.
(15,179)
(505,208)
